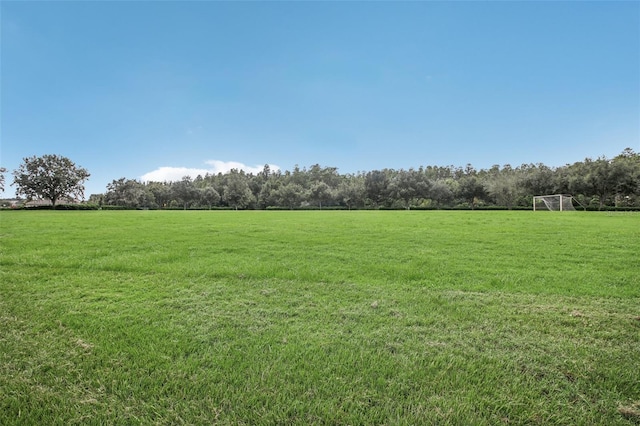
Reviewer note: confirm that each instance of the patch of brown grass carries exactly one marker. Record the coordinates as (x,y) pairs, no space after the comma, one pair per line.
(631,412)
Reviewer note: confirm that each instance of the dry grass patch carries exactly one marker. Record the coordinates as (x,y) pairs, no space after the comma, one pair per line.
(631,412)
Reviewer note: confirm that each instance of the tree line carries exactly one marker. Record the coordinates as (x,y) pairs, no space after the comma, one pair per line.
(595,184)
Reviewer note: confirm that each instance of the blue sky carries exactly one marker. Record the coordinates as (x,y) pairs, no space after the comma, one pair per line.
(161,89)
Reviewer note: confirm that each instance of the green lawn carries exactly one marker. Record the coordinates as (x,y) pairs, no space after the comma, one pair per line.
(360,318)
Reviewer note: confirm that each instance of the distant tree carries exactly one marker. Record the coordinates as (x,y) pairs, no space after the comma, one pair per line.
(376,185)
(537,179)
(502,185)
(299,177)
(161,193)
(328,175)
(97,199)
(290,195)
(628,166)
(209,196)
(408,186)
(268,193)
(185,191)
(351,191)
(606,178)
(320,193)
(470,189)
(600,180)
(236,192)
(128,193)
(2,172)
(441,193)
(434,173)
(265,173)
(50,177)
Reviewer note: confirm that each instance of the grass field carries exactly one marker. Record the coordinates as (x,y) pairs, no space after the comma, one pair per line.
(360,318)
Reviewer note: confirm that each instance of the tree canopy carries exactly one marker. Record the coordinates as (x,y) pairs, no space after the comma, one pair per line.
(50,177)
(595,183)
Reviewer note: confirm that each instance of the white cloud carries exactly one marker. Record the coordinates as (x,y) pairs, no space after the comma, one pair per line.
(227,166)
(172,174)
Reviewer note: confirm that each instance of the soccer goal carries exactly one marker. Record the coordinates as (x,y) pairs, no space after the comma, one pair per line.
(558,202)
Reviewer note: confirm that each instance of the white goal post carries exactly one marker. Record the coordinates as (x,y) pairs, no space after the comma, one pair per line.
(557,202)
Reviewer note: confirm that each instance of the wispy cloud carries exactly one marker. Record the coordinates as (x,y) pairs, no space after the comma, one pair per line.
(172,174)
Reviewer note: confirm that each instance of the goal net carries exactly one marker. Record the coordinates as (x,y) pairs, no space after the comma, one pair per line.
(556,202)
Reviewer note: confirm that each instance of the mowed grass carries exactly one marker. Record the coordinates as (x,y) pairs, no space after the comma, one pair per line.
(360,318)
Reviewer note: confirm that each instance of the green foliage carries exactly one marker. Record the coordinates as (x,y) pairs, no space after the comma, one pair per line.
(51,177)
(237,193)
(172,317)
(599,183)
(128,193)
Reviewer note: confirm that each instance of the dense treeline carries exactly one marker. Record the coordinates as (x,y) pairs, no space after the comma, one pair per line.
(594,183)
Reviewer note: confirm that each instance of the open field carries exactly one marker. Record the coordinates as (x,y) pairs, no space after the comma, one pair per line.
(198,317)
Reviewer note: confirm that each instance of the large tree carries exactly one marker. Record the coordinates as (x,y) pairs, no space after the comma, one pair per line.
(50,177)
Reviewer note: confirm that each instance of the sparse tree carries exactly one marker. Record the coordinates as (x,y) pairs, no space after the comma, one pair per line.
(504,188)
(97,199)
(2,172)
(50,177)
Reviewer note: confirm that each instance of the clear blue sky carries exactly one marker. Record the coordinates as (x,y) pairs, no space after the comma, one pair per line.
(125,88)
